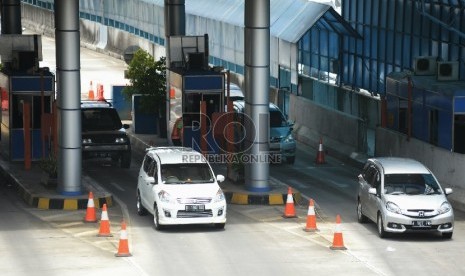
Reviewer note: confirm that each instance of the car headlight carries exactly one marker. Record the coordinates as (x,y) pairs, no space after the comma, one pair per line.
(219,196)
(445,207)
(120,140)
(87,141)
(289,138)
(392,207)
(164,197)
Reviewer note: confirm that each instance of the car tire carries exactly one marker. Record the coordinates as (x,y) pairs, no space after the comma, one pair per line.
(360,216)
(219,225)
(141,211)
(290,160)
(126,160)
(156,218)
(380,226)
(447,235)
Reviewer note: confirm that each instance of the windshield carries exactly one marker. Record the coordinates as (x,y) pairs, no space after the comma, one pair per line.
(100,119)
(277,119)
(411,184)
(186,173)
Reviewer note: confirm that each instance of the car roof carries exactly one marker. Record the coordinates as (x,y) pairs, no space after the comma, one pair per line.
(241,104)
(92,104)
(177,155)
(234,91)
(400,165)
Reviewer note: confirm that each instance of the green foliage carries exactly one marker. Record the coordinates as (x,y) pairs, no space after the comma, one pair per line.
(148,78)
(50,166)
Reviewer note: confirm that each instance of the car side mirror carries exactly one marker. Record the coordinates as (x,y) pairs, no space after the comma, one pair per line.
(448,191)
(125,126)
(220,178)
(291,123)
(151,180)
(372,191)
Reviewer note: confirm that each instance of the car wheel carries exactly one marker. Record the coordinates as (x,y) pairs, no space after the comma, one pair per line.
(141,211)
(156,220)
(360,216)
(126,160)
(219,225)
(379,223)
(290,160)
(447,235)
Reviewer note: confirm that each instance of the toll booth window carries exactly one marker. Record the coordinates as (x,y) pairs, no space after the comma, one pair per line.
(191,109)
(17,109)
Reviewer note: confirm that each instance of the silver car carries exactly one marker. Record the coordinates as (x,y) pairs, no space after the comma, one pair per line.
(401,195)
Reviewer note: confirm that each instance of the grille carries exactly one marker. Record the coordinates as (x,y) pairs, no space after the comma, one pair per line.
(432,227)
(204,214)
(414,213)
(103,139)
(275,139)
(194,200)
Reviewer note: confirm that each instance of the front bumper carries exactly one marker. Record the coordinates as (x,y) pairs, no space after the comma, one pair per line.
(285,149)
(176,214)
(399,223)
(102,151)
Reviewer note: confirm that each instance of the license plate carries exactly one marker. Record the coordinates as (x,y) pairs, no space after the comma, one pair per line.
(421,223)
(195,208)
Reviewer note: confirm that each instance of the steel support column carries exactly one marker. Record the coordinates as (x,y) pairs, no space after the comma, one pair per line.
(175,24)
(68,96)
(257,83)
(11,17)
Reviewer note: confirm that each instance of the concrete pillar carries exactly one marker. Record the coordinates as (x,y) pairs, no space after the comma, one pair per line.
(11,17)
(257,83)
(68,97)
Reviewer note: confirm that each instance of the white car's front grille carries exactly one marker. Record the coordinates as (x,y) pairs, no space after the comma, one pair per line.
(186,214)
(194,200)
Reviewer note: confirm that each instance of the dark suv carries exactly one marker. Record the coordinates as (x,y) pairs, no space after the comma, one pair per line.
(103,134)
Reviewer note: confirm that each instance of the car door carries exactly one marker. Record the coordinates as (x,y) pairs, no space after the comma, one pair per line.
(150,182)
(143,184)
(365,180)
(373,199)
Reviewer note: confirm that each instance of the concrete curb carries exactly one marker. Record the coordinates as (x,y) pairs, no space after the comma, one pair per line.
(57,202)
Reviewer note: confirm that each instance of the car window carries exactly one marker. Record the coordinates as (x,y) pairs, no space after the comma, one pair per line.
(411,184)
(186,173)
(277,119)
(100,119)
(147,162)
(369,174)
(153,170)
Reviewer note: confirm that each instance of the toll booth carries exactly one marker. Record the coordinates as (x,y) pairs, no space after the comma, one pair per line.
(196,94)
(19,90)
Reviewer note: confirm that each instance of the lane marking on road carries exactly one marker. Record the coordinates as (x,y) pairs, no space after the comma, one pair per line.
(117,186)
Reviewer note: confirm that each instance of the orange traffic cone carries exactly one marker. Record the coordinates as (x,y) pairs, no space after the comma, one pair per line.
(289,211)
(104,230)
(90,212)
(311,218)
(338,241)
(100,96)
(123,247)
(90,94)
(320,156)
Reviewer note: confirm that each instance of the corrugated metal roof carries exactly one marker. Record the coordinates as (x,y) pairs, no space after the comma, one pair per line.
(289,19)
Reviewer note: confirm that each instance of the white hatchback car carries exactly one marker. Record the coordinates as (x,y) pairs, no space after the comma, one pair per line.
(400,195)
(177,186)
